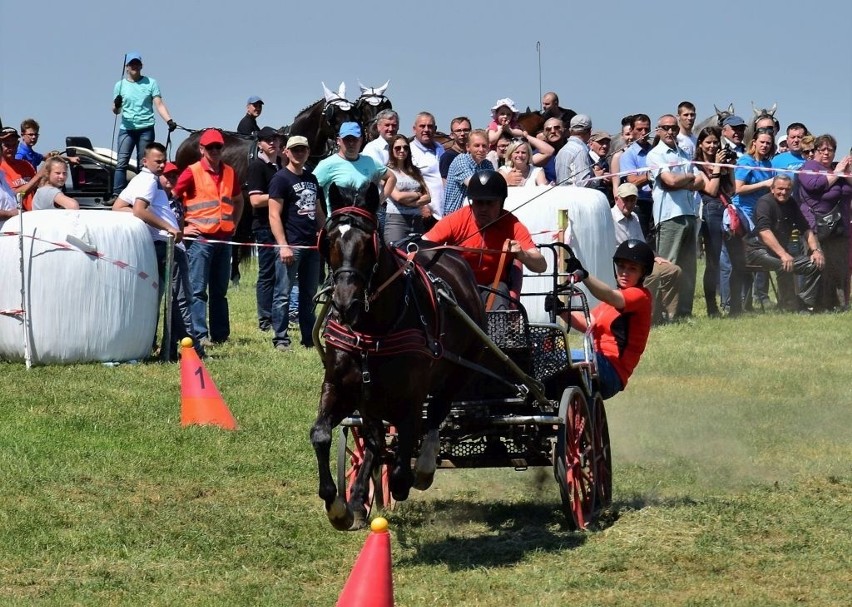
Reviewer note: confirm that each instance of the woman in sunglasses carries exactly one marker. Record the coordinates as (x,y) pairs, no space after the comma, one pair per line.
(410,196)
(825,192)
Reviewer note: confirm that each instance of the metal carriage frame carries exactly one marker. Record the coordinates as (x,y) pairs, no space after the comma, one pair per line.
(540,408)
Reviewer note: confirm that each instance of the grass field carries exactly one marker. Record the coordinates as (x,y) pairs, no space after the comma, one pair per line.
(732,486)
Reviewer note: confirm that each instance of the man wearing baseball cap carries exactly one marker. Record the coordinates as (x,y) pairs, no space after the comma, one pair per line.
(573,163)
(19,174)
(733,134)
(295,217)
(135,98)
(351,169)
(248,125)
(213,202)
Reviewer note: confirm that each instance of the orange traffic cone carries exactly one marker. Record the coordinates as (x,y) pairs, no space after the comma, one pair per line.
(200,401)
(370,583)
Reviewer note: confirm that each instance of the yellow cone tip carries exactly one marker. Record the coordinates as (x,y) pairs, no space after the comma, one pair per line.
(379,525)
(186,342)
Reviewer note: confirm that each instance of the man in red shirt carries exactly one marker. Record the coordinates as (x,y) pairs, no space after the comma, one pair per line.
(20,174)
(497,236)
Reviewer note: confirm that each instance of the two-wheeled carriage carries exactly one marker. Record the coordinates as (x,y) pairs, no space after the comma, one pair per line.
(531,401)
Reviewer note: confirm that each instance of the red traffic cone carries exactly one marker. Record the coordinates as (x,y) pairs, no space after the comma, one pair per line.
(370,583)
(200,401)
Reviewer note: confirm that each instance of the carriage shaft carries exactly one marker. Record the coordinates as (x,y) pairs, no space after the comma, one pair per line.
(529,382)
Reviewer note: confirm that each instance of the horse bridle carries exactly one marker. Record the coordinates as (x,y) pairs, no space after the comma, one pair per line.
(365,221)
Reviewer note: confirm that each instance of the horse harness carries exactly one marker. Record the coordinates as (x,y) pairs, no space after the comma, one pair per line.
(420,341)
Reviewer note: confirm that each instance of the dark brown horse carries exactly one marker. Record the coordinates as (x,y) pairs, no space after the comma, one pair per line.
(371,102)
(388,344)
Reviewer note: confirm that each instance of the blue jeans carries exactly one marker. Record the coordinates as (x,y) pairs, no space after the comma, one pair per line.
(127,140)
(265,275)
(609,383)
(210,266)
(305,270)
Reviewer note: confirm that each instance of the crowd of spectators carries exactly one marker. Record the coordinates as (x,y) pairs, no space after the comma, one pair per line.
(777,202)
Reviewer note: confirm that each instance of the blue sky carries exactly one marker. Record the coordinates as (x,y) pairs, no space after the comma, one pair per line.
(606,59)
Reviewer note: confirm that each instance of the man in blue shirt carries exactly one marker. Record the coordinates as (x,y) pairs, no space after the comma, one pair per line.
(676,180)
(29,136)
(792,159)
(634,159)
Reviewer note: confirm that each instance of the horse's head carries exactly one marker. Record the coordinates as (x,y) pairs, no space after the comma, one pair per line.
(371,102)
(336,111)
(350,243)
(722,114)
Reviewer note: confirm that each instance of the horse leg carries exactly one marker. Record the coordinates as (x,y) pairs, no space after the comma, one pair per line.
(359,491)
(427,461)
(337,510)
(401,478)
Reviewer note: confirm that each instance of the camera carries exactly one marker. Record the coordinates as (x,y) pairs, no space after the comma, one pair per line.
(730,154)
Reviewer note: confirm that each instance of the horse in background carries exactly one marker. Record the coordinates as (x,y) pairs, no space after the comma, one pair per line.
(371,102)
(760,114)
(389,344)
(715,120)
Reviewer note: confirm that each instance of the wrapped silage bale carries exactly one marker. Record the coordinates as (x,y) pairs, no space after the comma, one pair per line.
(589,231)
(90,284)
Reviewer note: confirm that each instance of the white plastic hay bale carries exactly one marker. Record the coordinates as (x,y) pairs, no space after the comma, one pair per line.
(81,307)
(590,233)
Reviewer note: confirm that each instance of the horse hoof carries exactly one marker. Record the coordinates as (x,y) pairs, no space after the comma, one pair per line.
(359,521)
(340,515)
(423,481)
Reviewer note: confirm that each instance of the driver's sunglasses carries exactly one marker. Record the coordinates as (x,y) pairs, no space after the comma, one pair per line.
(214,146)
(765,130)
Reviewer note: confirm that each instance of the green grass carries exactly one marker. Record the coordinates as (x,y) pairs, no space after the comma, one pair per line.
(732,486)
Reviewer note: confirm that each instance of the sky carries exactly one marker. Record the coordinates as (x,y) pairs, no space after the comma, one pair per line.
(607,59)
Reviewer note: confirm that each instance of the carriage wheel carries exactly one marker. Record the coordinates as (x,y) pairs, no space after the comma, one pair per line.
(350,457)
(574,460)
(603,455)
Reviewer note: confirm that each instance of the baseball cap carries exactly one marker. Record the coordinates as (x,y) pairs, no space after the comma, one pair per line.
(297,140)
(781,139)
(267,133)
(600,136)
(350,129)
(170,167)
(132,57)
(733,121)
(581,122)
(627,189)
(253,100)
(211,136)
(8,132)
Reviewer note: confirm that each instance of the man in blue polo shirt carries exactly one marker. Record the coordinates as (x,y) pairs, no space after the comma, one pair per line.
(792,159)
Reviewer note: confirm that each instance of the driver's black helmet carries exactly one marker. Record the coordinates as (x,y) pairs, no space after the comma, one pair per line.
(637,251)
(487,185)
